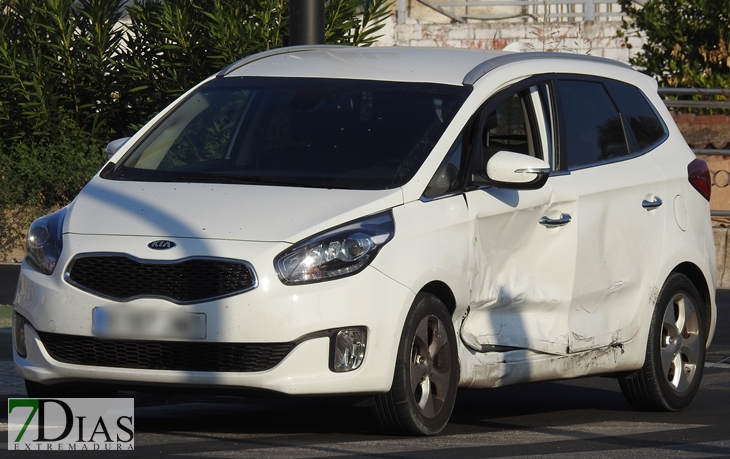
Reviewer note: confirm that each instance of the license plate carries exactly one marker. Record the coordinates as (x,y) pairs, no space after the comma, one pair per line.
(148,324)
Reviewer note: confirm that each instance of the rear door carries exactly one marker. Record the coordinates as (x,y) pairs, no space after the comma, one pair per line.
(606,127)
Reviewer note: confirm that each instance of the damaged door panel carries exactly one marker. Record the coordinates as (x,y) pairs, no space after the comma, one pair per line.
(619,235)
(523,242)
(521,274)
(619,242)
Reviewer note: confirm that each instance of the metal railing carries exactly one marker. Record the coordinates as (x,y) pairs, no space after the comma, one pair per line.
(526,10)
(711,104)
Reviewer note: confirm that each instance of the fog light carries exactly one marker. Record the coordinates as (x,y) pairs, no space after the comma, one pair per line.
(19,334)
(349,349)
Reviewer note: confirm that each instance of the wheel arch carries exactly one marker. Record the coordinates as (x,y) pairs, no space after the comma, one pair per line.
(443,292)
(696,276)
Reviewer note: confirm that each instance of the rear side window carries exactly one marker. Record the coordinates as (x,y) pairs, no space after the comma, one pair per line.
(592,127)
(646,126)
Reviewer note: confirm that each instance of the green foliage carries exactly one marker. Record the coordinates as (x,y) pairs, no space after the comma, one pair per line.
(72,77)
(344,24)
(44,173)
(687,41)
(55,58)
(174,44)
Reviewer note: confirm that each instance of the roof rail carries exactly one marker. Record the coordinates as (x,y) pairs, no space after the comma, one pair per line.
(273,52)
(487,66)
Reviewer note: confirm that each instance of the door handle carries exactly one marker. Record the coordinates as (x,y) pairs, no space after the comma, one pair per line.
(649,205)
(555,222)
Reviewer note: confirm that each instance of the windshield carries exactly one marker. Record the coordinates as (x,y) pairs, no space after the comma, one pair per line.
(295,131)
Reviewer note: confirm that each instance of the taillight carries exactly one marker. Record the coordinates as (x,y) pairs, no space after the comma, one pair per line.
(699,177)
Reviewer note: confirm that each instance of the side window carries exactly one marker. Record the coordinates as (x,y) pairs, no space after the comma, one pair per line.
(517,121)
(592,128)
(507,127)
(520,123)
(643,122)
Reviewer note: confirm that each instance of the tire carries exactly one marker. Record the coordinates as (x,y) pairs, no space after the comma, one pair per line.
(37,390)
(423,393)
(675,352)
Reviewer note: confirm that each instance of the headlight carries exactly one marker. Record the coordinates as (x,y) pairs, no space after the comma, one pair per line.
(43,244)
(339,252)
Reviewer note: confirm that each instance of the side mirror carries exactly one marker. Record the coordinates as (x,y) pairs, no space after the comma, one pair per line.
(113,147)
(516,171)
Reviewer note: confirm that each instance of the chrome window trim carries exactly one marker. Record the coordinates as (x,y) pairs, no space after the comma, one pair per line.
(69,265)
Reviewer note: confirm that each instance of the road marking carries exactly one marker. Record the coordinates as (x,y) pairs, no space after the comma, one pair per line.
(499,436)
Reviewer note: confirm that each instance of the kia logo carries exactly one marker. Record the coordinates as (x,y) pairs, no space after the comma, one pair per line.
(161,245)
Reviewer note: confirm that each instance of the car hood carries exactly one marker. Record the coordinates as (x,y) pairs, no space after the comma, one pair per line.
(218,211)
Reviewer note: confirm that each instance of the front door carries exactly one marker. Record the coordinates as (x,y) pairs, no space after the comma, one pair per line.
(523,241)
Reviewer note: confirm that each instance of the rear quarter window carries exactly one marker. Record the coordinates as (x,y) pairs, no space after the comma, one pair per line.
(643,121)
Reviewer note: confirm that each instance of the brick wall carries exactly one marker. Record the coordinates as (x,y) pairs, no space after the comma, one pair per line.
(594,38)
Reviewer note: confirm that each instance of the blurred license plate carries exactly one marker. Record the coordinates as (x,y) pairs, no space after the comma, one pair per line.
(134,323)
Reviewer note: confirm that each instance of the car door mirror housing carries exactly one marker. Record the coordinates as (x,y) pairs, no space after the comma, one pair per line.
(514,171)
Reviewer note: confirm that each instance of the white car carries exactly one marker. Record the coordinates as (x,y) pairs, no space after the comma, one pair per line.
(393,223)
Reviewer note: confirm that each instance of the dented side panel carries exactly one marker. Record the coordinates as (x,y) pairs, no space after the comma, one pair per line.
(619,248)
(495,369)
(521,272)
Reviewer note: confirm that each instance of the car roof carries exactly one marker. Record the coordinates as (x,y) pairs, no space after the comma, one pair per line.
(426,65)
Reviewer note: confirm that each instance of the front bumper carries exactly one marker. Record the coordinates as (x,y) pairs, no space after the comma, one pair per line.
(271,313)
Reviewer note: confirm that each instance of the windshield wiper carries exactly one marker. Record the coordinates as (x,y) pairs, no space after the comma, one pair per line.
(209,178)
(241,179)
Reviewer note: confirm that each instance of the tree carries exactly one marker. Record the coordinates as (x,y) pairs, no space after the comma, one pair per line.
(73,77)
(687,41)
(174,44)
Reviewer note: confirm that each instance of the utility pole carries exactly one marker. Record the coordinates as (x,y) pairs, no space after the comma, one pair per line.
(306,22)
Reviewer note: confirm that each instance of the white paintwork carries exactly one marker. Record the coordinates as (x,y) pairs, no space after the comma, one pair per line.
(619,242)
(236,212)
(576,299)
(431,65)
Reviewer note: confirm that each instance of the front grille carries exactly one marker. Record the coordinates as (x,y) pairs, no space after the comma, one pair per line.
(165,355)
(186,281)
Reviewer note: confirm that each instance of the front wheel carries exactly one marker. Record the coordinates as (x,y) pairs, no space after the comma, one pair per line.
(675,353)
(426,373)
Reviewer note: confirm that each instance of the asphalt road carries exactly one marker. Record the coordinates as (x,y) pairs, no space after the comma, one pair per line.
(586,418)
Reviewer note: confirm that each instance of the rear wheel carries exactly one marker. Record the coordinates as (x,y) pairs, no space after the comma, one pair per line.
(426,374)
(675,352)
